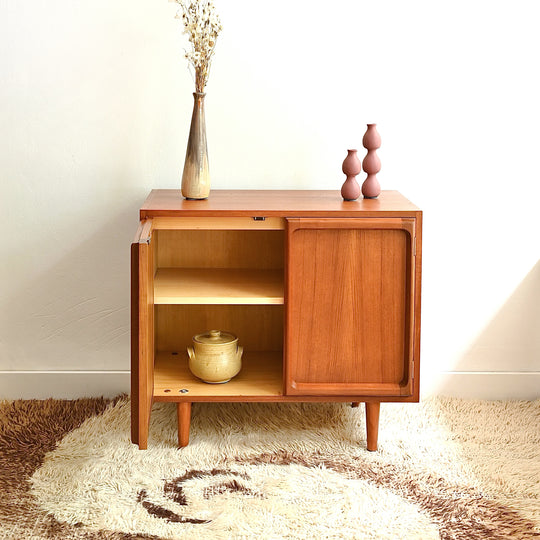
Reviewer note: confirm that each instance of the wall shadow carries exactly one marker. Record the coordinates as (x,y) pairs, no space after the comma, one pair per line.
(512,335)
(506,352)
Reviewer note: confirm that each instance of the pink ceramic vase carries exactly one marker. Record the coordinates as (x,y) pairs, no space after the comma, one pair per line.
(350,190)
(371,164)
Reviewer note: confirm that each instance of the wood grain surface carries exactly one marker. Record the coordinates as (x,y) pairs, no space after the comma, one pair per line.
(323,294)
(261,375)
(279,203)
(258,327)
(218,286)
(349,297)
(142,360)
(220,249)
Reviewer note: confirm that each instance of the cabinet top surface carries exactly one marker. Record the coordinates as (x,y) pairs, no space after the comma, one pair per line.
(283,203)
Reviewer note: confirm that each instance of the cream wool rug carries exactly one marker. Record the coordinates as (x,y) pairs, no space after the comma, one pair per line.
(446,468)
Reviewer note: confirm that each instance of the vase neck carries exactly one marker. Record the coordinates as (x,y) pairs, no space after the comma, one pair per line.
(198,105)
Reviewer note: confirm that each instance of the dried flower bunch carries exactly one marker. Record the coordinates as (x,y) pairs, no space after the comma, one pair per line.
(202,25)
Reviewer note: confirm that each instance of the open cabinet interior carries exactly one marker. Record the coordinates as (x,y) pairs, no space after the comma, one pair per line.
(229,280)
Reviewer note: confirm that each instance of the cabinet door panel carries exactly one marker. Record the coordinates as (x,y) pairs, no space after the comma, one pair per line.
(142,332)
(349,301)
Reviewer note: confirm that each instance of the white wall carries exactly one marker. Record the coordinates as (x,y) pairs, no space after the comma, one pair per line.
(96,102)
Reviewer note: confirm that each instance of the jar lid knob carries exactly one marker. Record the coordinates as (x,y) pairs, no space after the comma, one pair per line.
(215,333)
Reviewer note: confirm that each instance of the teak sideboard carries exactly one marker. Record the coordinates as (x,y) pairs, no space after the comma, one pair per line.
(323,294)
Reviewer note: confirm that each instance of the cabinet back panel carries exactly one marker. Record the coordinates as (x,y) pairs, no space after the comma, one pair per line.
(259,328)
(220,249)
(349,306)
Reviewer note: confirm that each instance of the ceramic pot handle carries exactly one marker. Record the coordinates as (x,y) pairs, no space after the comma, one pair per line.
(191,353)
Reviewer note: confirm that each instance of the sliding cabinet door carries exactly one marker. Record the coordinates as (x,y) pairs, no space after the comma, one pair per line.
(350,306)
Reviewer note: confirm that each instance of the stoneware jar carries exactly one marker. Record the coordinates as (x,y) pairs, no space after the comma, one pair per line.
(215,356)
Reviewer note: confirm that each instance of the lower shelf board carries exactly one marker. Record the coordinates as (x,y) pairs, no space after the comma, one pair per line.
(261,377)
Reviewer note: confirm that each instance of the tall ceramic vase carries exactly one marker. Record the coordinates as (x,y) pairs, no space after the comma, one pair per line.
(196,176)
(371,164)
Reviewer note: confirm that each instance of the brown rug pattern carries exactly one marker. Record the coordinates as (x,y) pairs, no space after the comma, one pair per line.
(28,430)
(460,513)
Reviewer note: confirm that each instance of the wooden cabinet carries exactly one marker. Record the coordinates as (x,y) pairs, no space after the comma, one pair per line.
(323,294)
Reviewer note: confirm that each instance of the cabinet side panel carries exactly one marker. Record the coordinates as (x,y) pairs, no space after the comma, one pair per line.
(348,305)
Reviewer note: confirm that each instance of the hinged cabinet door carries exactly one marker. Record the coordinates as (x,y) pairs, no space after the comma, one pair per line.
(142,332)
(350,306)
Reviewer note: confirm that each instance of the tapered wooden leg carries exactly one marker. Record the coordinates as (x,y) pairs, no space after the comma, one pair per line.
(355,404)
(184,419)
(141,406)
(372,424)
(143,428)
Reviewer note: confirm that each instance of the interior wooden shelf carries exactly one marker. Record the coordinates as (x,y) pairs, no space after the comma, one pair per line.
(261,375)
(218,286)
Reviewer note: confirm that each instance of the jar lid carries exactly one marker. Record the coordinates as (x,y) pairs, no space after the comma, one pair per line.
(215,337)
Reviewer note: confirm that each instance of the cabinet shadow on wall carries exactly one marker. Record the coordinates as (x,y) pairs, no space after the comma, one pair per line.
(506,354)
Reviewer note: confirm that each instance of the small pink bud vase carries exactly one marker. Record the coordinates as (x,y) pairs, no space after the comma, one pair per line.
(350,190)
(371,188)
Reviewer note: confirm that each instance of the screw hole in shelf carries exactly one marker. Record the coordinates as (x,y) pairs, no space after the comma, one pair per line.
(174,353)
(166,390)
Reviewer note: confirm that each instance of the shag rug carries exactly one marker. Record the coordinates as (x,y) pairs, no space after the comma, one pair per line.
(446,468)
